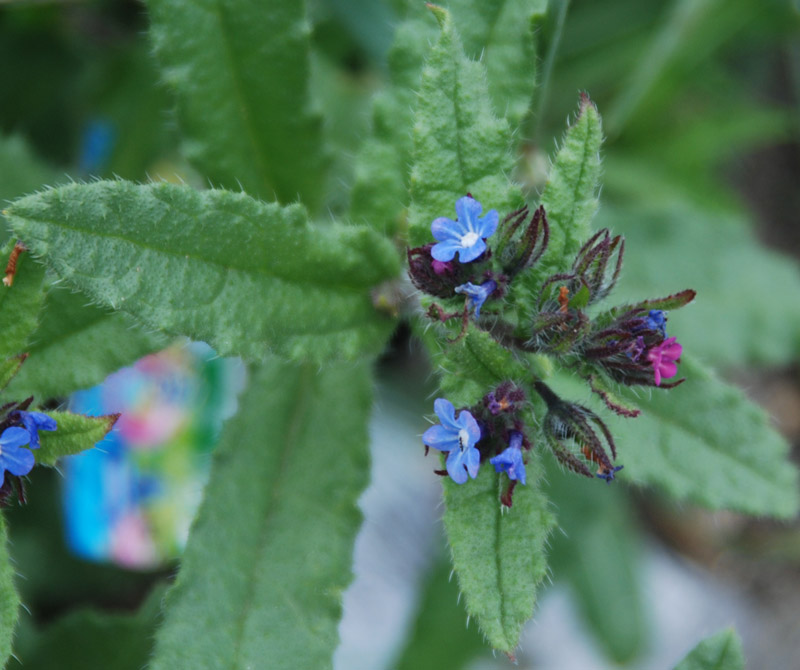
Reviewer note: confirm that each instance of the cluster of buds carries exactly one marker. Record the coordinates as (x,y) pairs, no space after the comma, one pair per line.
(19,435)
(628,344)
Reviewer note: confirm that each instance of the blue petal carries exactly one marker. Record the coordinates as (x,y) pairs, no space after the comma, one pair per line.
(17,460)
(440,438)
(444,229)
(468,210)
(467,422)
(447,414)
(488,224)
(13,437)
(455,466)
(42,421)
(467,255)
(473,461)
(445,251)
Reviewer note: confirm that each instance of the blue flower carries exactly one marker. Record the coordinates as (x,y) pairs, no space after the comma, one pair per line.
(478,294)
(608,475)
(466,234)
(13,458)
(510,460)
(457,436)
(656,320)
(34,422)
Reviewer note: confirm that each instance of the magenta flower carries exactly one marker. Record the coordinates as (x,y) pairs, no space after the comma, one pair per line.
(663,358)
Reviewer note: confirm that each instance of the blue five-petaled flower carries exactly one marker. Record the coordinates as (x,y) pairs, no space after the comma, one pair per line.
(466,235)
(477,294)
(510,460)
(34,422)
(458,437)
(14,458)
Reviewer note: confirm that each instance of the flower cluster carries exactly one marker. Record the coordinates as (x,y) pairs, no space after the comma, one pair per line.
(19,435)
(626,345)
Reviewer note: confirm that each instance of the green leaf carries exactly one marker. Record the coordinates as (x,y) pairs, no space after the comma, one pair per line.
(722,651)
(75,433)
(704,442)
(9,600)
(255,583)
(19,303)
(108,641)
(570,195)
(603,575)
(240,69)
(459,145)
(245,276)
(10,367)
(439,639)
(498,553)
(743,310)
(76,345)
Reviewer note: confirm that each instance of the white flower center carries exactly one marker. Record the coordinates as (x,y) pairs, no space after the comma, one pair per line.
(469,239)
(463,438)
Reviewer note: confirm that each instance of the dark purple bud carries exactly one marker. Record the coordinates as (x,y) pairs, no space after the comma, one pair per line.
(519,252)
(505,398)
(598,264)
(434,277)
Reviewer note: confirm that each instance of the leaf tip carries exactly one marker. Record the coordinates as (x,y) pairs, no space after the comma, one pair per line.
(440,13)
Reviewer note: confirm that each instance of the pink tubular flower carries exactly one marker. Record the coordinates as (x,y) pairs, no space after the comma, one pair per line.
(663,358)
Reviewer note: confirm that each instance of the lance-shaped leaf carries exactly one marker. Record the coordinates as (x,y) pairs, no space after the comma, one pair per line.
(9,600)
(245,276)
(240,69)
(498,553)
(703,441)
(76,345)
(722,651)
(570,195)
(74,433)
(19,303)
(459,145)
(9,368)
(255,583)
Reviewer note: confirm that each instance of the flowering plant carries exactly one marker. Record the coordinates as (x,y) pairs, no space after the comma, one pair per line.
(449,223)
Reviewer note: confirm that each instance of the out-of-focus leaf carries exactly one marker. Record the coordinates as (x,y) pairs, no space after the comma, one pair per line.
(459,145)
(256,586)
(74,433)
(19,303)
(703,442)
(9,600)
(596,553)
(245,276)
(92,639)
(722,651)
(240,71)
(745,308)
(76,345)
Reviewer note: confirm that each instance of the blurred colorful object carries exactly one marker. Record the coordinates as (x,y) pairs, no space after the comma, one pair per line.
(131,499)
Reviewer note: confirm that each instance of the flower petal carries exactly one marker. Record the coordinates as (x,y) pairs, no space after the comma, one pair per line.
(42,421)
(444,229)
(469,254)
(447,414)
(17,460)
(668,369)
(468,210)
(488,224)
(473,461)
(440,438)
(467,422)
(13,438)
(455,466)
(445,251)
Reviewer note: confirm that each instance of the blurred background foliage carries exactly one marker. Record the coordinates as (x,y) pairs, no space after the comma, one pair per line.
(700,100)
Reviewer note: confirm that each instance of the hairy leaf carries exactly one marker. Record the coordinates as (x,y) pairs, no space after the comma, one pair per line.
(459,145)
(9,600)
(703,441)
(498,553)
(245,276)
(602,573)
(255,583)
(240,70)
(722,651)
(19,303)
(76,345)
(10,367)
(75,433)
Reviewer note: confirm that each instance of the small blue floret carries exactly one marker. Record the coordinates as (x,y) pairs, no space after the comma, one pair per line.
(477,294)
(608,475)
(510,460)
(466,235)
(458,437)
(14,458)
(34,422)
(657,320)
